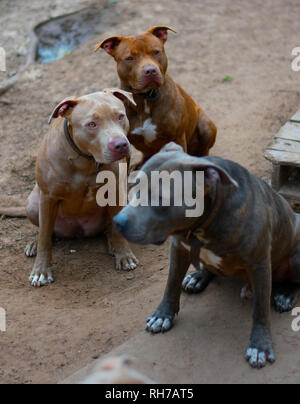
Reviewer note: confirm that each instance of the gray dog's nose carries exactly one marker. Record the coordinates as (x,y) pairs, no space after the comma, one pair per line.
(121,222)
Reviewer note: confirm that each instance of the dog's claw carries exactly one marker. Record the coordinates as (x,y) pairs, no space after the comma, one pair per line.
(39,280)
(126,263)
(196,282)
(283,303)
(31,249)
(258,358)
(156,325)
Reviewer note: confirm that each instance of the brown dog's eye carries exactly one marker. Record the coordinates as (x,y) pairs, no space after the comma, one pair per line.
(130,58)
(156,52)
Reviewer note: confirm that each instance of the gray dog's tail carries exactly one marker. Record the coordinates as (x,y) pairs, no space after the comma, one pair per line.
(13,212)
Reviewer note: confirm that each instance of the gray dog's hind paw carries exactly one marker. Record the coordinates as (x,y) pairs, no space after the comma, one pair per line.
(195,282)
(283,303)
(259,358)
(156,324)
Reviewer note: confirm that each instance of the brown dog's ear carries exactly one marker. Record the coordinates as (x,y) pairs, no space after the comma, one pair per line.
(213,172)
(63,108)
(161,32)
(122,95)
(109,44)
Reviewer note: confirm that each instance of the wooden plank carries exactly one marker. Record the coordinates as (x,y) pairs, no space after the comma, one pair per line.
(290,131)
(296,117)
(282,157)
(276,177)
(290,192)
(285,145)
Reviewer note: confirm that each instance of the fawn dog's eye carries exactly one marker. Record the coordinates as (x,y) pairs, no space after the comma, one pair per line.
(92,125)
(121,117)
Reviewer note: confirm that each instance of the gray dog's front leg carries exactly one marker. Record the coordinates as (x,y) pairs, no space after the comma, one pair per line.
(261,349)
(162,319)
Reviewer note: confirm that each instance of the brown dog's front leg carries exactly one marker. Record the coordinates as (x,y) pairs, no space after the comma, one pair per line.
(261,349)
(162,319)
(41,274)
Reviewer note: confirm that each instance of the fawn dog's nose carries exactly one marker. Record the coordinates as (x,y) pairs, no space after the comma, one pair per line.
(118,145)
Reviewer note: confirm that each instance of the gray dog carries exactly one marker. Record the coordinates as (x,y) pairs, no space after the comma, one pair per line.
(247,232)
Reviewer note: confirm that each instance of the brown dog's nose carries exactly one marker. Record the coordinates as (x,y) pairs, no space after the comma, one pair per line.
(119,145)
(150,71)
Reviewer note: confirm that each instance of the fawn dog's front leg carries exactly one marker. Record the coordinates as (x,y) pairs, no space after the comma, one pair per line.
(41,274)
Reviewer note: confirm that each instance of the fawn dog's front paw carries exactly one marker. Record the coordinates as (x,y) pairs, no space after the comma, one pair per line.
(39,278)
(126,261)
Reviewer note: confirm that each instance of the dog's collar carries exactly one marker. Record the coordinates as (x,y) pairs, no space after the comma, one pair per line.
(152,95)
(204,222)
(71,142)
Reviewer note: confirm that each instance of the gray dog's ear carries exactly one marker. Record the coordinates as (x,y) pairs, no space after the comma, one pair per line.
(122,95)
(172,147)
(65,107)
(213,172)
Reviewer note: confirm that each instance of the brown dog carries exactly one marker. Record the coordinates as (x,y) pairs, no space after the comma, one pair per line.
(88,134)
(165,112)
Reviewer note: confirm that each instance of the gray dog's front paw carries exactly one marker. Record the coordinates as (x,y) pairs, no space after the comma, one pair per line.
(261,348)
(159,323)
(258,358)
(162,319)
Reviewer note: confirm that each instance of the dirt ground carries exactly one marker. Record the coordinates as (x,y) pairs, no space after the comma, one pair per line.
(91,309)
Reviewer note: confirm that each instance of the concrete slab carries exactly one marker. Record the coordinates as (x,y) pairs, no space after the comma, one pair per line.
(208,342)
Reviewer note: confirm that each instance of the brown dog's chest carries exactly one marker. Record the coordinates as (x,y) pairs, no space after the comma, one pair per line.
(150,130)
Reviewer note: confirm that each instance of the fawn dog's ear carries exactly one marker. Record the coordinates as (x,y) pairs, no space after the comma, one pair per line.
(64,108)
(161,32)
(110,45)
(122,95)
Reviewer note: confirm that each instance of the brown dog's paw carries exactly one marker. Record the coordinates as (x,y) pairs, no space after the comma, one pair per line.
(31,250)
(126,262)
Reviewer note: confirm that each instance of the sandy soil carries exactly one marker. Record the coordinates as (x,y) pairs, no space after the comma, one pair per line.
(91,308)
